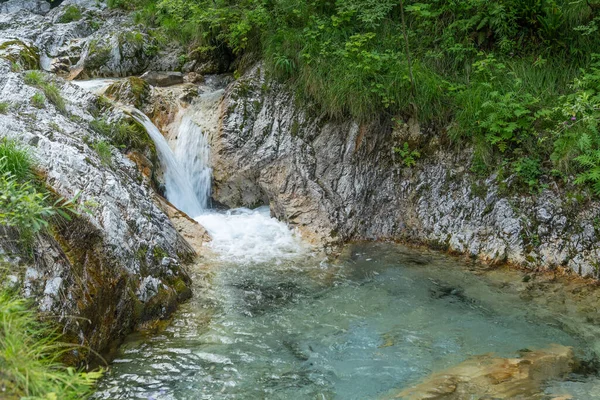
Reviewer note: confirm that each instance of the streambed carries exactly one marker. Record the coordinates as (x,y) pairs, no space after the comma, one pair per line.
(279,321)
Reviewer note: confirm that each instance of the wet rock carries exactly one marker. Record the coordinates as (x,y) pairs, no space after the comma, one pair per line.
(103,272)
(339,180)
(162,79)
(492,377)
(133,91)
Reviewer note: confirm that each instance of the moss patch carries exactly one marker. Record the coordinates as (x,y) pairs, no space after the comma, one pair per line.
(21,54)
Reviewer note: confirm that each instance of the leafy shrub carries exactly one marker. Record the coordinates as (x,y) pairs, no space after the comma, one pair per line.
(409,157)
(38,100)
(528,170)
(71,13)
(29,356)
(578,136)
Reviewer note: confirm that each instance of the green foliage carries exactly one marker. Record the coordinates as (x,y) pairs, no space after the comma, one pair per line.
(51,91)
(578,136)
(24,205)
(125,134)
(38,100)
(408,156)
(53,95)
(4,106)
(29,356)
(34,78)
(528,170)
(498,73)
(98,54)
(16,161)
(103,149)
(71,13)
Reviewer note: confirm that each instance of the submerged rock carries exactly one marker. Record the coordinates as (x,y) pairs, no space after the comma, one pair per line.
(493,377)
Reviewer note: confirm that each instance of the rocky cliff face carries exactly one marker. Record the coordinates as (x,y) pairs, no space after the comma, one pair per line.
(339,181)
(118,263)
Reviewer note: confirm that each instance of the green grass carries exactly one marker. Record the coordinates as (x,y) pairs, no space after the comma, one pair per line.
(103,150)
(30,353)
(34,78)
(54,96)
(51,91)
(38,100)
(16,160)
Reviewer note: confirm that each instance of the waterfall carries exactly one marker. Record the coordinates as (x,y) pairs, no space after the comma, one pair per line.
(193,154)
(179,189)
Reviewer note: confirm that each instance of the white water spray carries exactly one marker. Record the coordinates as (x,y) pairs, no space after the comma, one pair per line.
(193,154)
(179,191)
(240,235)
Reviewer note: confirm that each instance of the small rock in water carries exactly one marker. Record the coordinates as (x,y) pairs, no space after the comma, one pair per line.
(162,79)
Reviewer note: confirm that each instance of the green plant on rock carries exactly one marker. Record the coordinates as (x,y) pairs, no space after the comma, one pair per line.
(38,100)
(51,91)
(103,150)
(24,204)
(408,156)
(34,78)
(4,106)
(30,353)
(53,95)
(72,13)
(98,54)
(578,136)
(528,170)
(16,161)
(125,134)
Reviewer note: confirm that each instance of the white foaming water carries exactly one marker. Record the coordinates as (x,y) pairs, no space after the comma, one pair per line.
(240,235)
(97,86)
(251,236)
(179,191)
(193,154)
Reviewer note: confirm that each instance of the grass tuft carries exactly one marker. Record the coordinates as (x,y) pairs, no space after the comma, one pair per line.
(29,356)
(16,160)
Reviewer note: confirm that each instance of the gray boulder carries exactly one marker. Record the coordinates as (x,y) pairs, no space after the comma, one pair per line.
(163,79)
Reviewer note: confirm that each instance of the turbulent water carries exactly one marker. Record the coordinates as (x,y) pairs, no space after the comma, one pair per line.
(179,189)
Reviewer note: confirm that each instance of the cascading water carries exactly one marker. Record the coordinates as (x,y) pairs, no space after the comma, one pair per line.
(239,235)
(179,191)
(193,154)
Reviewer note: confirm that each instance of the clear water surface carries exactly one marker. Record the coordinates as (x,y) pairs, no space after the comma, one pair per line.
(276,321)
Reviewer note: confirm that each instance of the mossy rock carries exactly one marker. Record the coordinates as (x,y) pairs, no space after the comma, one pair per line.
(132,91)
(18,52)
(98,55)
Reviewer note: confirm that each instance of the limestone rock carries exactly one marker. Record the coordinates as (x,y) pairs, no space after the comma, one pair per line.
(340,180)
(496,378)
(162,79)
(89,270)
